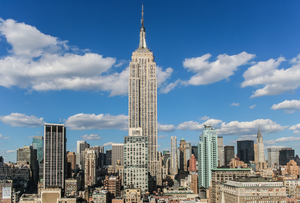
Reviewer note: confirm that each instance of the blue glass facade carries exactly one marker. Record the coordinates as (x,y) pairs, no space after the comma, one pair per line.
(38,144)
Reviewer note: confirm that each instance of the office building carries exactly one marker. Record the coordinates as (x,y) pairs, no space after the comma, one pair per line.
(207,155)
(273,157)
(249,190)
(142,94)
(188,151)
(222,175)
(100,155)
(220,151)
(113,185)
(117,153)
(195,151)
(71,158)
(81,146)
(192,164)
(228,155)
(108,157)
(173,156)
(260,147)
(90,167)
(54,155)
(38,144)
(72,186)
(285,155)
(135,162)
(245,150)
(182,155)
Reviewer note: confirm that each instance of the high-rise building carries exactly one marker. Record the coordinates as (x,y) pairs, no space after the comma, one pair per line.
(117,153)
(108,157)
(273,156)
(38,144)
(54,155)
(173,158)
(192,164)
(207,155)
(188,151)
(195,151)
(142,96)
(260,147)
(71,158)
(90,165)
(135,162)
(228,155)
(182,155)
(100,155)
(245,150)
(220,151)
(81,146)
(285,155)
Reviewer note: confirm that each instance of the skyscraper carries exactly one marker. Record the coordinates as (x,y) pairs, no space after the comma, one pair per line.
(228,155)
(117,153)
(285,155)
(108,157)
(260,147)
(173,158)
(54,154)
(90,164)
(81,146)
(220,151)
(182,155)
(207,155)
(245,150)
(142,95)
(38,144)
(273,157)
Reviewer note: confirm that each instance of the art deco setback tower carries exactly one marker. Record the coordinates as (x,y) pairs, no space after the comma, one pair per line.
(142,96)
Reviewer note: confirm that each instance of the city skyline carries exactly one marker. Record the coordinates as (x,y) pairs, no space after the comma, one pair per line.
(216,64)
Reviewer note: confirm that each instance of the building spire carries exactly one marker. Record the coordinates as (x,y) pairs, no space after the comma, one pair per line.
(142,32)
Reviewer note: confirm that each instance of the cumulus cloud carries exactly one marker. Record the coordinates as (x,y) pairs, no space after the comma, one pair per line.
(209,72)
(282,139)
(193,125)
(204,118)
(109,144)
(290,106)
(2,137)
(273,80)
(165,128)
(10,151)
(102,121)
(162,136)
(91,137)
(42,62)
(22,120)
(167,88)
(252,107)
(235,104)
(295,128)
(248,128)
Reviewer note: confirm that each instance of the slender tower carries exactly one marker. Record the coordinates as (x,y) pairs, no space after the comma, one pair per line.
(142,96)
(260,147)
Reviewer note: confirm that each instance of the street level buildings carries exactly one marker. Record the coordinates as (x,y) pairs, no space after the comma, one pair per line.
(54,155)
(207,155)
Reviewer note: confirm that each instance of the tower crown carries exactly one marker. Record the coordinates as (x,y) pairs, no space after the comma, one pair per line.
(142,32)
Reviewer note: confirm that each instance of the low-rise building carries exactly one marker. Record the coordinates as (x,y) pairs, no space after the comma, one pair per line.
(249,190)
(72,186)
(133,195)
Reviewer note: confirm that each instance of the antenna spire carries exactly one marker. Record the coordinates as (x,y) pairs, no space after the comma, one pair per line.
(142,31)
(142,21)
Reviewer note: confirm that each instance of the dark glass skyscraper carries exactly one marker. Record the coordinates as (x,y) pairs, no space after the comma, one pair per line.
(245,150)
(285,155)
(228,154)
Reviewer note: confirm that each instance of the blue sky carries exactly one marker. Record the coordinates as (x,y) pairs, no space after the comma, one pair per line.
(233,64)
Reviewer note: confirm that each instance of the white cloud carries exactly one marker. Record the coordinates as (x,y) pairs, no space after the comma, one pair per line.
(162,136)
(204,118)
(235,104)
(109,144)
(247,137)
(252,107)
(162,76)
(272,146)
(282,139)
(248,128)
(290,106)
(91,121)
(210,72)
(193,125)
(2,137)
(170,86)
(91,137)
(10,151)
(22,120)
(295,128)
(273,80)
(165,128)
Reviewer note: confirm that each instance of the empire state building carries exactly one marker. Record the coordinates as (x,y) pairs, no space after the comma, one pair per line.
(142,94)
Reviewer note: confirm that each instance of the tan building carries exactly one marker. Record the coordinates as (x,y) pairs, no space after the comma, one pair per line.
(90,168)
(194,183)
(221,175)
(236,163)
(132,195)
(182,155)
(30,198)
(100,196)
(250,190)
(72,185)
(113,185)
(118,200)
(50,194)
(297,193)
(292,168)
(291,186)
(71,158)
